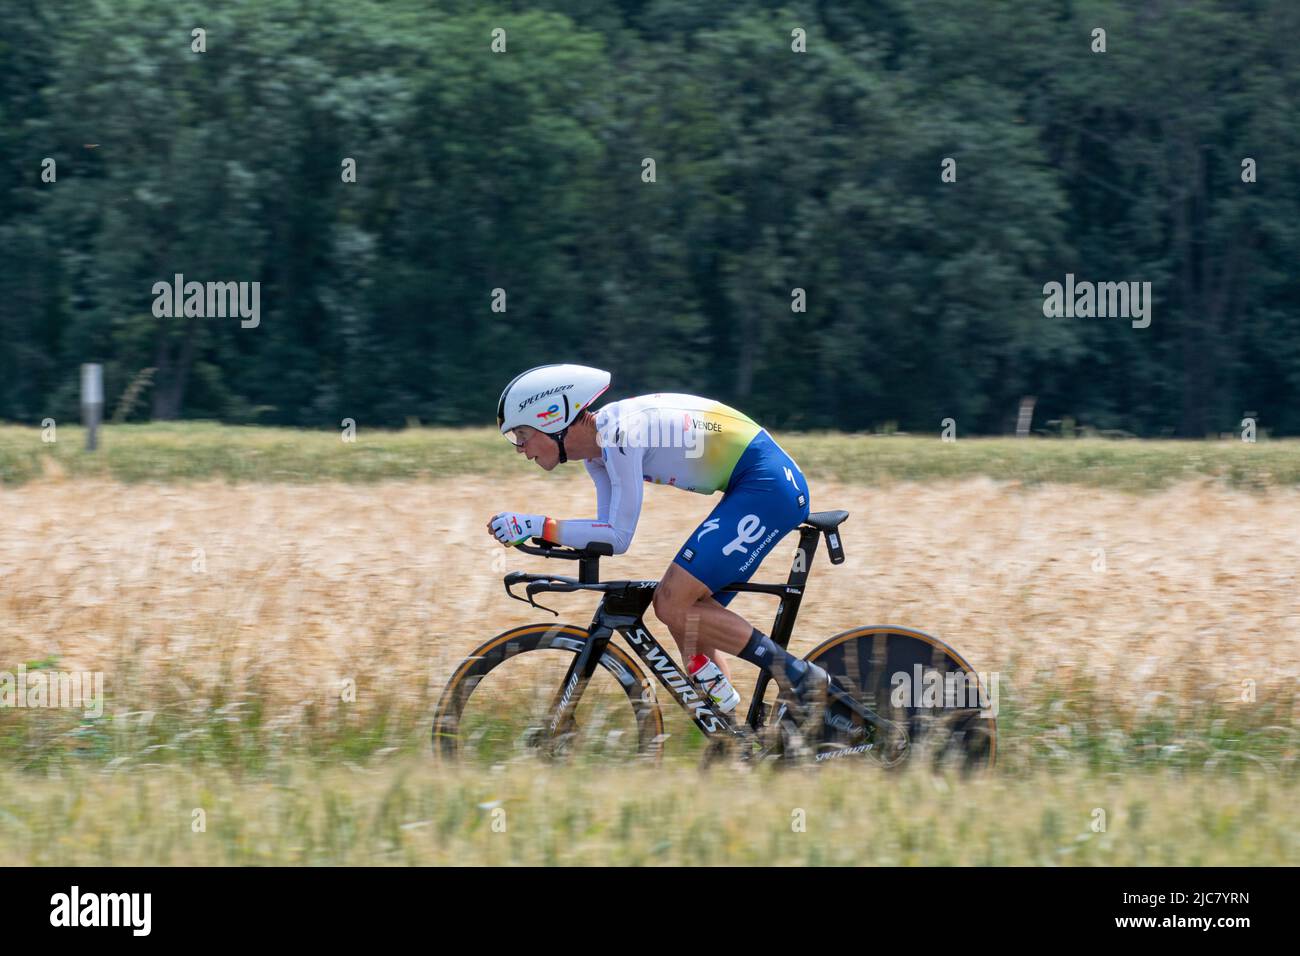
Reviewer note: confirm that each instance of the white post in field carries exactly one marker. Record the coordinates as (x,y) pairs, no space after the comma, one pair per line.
(92,402)
(1026,417)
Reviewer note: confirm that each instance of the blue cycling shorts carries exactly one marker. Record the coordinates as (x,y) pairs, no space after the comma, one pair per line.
(766,498)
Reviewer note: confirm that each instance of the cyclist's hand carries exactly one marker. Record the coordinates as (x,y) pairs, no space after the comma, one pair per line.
(511,528)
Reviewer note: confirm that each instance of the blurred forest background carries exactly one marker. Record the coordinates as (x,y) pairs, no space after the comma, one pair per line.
(523,171)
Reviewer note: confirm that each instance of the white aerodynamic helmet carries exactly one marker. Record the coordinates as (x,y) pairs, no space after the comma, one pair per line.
(549,398)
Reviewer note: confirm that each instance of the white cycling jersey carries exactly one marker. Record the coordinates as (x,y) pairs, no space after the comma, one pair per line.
(685,441)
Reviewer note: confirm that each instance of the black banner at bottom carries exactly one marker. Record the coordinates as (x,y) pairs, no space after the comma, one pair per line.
(335,905)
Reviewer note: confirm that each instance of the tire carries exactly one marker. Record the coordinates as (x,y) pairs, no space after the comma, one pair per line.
(634,713)
(866,661)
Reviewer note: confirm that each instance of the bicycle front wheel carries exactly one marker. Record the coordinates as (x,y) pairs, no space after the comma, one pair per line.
(498,704)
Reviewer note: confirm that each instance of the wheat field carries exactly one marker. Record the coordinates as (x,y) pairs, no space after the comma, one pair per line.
(1142,641)
(1097,608)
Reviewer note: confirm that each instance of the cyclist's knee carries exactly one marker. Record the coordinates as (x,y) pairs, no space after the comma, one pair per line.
(668,609)
(678,593)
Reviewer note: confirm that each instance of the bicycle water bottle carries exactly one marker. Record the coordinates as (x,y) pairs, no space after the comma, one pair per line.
(715,683)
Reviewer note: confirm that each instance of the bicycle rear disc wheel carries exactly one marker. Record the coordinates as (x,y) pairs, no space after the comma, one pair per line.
(916,681)
(498,704)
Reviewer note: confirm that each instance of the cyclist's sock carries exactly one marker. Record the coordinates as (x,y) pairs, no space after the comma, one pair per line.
(764,652)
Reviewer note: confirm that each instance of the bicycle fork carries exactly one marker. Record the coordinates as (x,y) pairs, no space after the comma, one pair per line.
(564,706)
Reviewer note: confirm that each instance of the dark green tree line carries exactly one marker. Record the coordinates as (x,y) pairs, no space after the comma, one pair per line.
(774,171)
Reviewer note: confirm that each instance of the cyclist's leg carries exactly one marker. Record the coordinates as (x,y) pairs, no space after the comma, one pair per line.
(718,657)
(768,501)
(684,604)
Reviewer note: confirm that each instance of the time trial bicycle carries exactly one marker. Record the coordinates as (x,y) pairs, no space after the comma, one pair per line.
(559,690)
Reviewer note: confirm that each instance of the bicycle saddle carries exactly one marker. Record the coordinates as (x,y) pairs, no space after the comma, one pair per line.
(826,520)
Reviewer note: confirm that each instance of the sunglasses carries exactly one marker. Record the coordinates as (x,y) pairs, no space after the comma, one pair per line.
(517,436)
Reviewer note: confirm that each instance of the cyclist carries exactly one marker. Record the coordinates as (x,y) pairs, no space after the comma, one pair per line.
(687,442)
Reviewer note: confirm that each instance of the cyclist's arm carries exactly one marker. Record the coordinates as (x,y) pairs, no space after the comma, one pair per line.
(618,483)
(600,478)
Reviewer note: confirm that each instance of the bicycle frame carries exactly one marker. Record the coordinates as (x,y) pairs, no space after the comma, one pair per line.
(622,609)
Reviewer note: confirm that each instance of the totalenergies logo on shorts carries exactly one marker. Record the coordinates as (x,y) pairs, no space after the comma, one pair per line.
(549,414)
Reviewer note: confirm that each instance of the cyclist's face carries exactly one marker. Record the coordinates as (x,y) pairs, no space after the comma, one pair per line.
(538,447)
